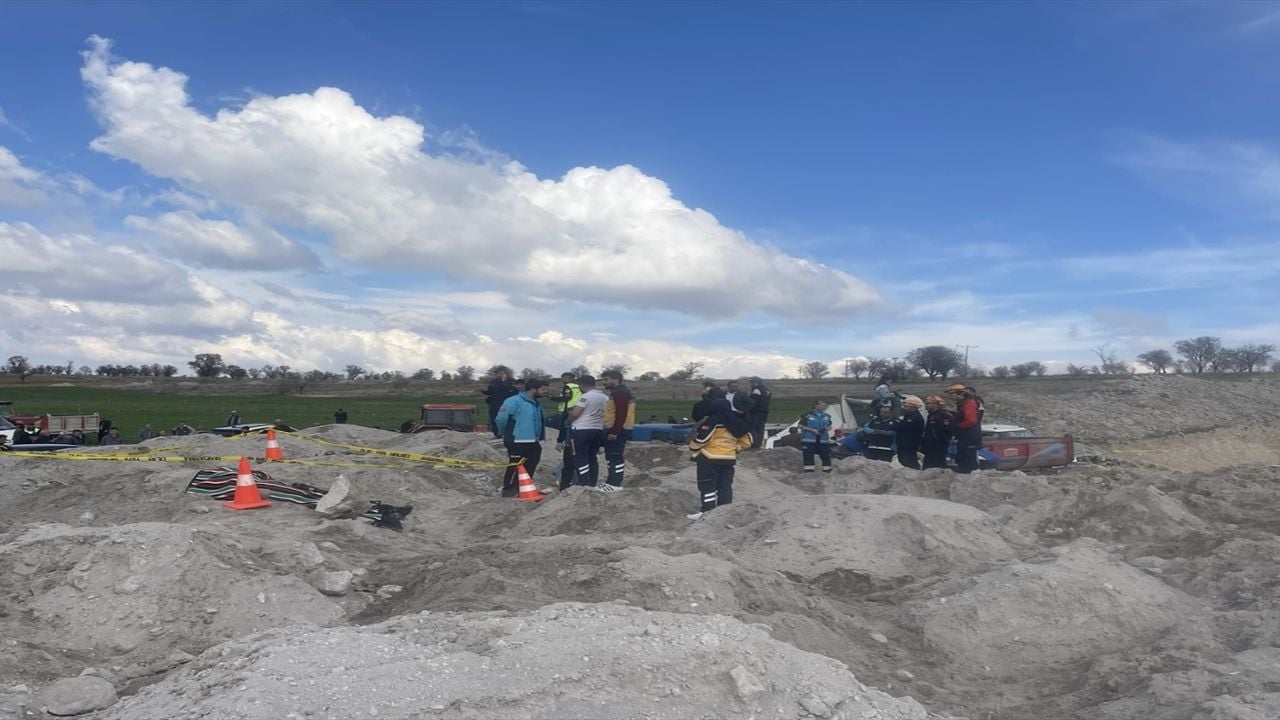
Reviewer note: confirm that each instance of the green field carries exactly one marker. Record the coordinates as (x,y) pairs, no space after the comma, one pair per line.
(130,409)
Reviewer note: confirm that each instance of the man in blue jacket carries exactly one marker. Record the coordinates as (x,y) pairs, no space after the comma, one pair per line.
(523,430)
(815,436)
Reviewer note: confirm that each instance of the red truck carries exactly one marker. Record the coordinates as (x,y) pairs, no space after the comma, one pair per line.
(55,424)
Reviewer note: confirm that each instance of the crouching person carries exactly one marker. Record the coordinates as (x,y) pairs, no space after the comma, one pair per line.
(714,446)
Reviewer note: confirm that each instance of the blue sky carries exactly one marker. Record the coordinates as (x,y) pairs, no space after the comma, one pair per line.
(543,184)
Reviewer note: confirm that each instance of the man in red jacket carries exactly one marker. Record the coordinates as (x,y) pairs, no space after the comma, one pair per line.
(968,428)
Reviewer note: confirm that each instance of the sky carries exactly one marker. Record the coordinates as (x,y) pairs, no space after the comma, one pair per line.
(540,184)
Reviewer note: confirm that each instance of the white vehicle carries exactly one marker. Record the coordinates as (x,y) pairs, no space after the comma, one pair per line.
(7,429)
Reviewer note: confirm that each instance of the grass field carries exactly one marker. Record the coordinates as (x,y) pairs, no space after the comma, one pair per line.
(129,410)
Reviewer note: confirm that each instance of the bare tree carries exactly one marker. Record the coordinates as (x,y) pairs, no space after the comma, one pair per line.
(1111,364)
(19,365)
(535,374)
(651,376)
(354,371)
(1077,370)
(621,368)
(500,368)
(1251,356)
(688,371)
(1158,360)
(464,373)
(854,367)
(1001,371)
(815,370)
(1200,353)
(423,374)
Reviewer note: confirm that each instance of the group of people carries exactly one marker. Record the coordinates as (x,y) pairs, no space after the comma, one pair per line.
(898,429)
(588,420)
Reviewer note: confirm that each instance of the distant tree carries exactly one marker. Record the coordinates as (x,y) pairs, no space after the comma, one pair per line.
(423,374)
(1251,356)
(814,370)
(208,365)
(1077,370)
(651,376)
(1158,360)
(255,373)
(535,374)
(878,367)
(936,360)
(464,373)
(445,376)
(1027,369)
(688,371)
(976,371)
(1001,371)
(579,370)
(19,365)
(235,372)
(1199,353)
(1111,364)
(354,371)
(500,368)
(86,370)
(854,367)
(901,370)
(616,367)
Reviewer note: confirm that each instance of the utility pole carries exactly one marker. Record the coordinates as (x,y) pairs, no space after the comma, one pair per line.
(966,357)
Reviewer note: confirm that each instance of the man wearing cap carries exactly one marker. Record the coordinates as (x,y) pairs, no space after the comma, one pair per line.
(968,428)
(523,429)
(909,431)
(587,432)
(761,396)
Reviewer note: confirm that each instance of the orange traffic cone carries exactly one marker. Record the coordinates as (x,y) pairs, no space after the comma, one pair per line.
(528,491)
(273,447)
(247,496)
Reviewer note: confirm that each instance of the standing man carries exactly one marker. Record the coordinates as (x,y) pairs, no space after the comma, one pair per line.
(761,396)
(587,430)
(815,436)
(878,435)
(702,408)
(340,417)
(939,428)
(619,418)
(182,428)
(146,433)
(496,393)
(968,428)
(104,426)
(523,430)
(233,419)
(909,432)
(714,447)
(738,400)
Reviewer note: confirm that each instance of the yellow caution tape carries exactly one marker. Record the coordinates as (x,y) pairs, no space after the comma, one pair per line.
(191,458)
(402,455)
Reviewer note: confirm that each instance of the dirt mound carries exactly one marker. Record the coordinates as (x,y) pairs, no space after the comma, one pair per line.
(562,661)
(136,594)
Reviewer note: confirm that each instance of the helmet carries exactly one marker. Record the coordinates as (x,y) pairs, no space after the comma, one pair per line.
(957,388)
(934,400)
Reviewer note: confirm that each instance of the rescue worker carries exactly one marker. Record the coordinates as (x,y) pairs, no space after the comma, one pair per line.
(587,431)
(815,437)
(939,429)
(910,429)
(569,394)
(523,430)
(714,446)
(619,418)
(878,435)
(496,393)
(761,397)
(968,428)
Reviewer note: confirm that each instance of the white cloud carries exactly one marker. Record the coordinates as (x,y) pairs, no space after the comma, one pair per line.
(5,122)
(1183,267)
(320,161)
(20,186)
(185,236)
(1222,174)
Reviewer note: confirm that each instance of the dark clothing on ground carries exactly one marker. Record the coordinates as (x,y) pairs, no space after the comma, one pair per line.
(938,431)
(910,430)
(340,417)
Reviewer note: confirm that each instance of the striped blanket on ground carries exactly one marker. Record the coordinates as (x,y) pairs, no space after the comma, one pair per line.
(220,484)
